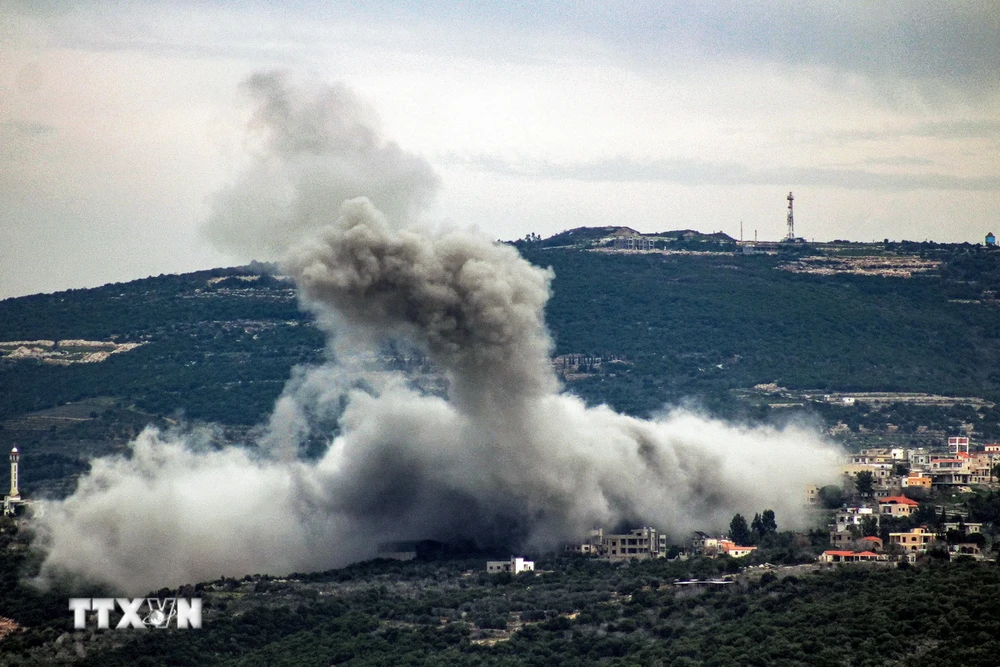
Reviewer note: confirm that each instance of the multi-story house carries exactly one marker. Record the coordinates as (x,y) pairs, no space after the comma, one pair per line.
(897,506)
(915,541)
(639,543)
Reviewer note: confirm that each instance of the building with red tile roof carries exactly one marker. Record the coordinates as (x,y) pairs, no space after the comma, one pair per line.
(836,556)
(897,506)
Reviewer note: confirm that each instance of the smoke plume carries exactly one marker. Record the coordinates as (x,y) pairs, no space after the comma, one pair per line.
(503,456)
(317,147)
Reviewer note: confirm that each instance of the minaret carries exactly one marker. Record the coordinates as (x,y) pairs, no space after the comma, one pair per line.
(15,493)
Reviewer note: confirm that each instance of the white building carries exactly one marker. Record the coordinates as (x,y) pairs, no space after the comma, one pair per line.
(706,545)
(845,531)
(958,444)
(515,565)
(854,516)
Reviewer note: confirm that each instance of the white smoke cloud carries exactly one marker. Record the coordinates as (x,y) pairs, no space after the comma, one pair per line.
(318,146)
(503,457)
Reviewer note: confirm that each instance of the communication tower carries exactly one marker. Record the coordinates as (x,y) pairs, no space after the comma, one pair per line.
(791,220)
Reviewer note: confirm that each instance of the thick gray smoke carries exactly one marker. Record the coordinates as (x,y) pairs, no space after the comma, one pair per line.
(317,148)
(503,457)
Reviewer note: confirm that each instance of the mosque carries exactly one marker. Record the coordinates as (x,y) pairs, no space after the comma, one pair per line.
(13,502)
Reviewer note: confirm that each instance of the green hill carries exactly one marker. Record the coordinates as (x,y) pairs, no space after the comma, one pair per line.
(703,324)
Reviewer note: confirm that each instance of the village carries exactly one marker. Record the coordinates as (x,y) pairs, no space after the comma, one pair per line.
(893,505)
(890,507)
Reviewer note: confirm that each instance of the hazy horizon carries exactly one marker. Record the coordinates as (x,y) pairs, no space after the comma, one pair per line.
(119,123)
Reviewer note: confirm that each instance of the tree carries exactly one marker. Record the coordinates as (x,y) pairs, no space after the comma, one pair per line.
(739,532)
(864,481)
(955,536)
(869,526)
(768,522)
(763,524)
(976,538)
(831,496)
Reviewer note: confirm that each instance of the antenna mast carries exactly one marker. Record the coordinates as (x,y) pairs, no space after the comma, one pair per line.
(791,220)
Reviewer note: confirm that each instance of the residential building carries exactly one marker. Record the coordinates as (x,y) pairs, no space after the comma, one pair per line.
(591,546)
(981,468)
(882,473)
(917,480)
(706,545)
(958,445)
(842,539)
(915,541)
(703,543)
(840,556)
(734,550)
(967,528)
(853,516)
(897,506)
(634,243)
(920,459)
(871,543)
(872,457)
(965,550)
(951,471)
(639,543)
(515,565)
(846,527)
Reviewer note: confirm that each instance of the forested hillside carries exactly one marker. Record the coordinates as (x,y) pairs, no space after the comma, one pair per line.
(700,325)
(577,611)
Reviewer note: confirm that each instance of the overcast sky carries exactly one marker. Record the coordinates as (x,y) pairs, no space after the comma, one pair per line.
(120,121)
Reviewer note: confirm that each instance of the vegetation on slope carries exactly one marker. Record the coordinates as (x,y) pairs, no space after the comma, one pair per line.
(703,325)
(579,611)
